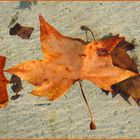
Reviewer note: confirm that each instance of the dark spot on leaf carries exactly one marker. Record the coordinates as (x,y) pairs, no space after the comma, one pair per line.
(45,79)
(82,55)
(102,52)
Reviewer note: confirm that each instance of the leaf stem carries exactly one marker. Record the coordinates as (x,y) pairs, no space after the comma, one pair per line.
(85,28)
(92,125)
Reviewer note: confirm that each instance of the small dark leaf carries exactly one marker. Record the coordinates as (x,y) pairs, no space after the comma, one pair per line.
(15,29)
(21,31)
(17,85)
(128,87)
(120,57)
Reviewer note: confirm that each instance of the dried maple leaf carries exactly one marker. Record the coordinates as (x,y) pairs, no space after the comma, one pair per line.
(68,60)
(54,75)
(3,83)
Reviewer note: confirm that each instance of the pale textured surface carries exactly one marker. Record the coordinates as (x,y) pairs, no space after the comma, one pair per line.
(68,117)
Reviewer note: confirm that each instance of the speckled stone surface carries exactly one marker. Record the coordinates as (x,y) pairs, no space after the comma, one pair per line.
(31,116)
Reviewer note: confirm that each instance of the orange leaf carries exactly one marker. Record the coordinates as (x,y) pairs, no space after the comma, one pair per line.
(71,59)
(61,67)
(3,83)
(68,60)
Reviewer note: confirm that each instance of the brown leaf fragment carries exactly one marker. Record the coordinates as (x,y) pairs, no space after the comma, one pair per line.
(123,95)
(130,86)
(21,31)
(121,59)
(16,86)
(3,84)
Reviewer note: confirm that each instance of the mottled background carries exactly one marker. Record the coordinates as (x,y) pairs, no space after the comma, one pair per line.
(30,116)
